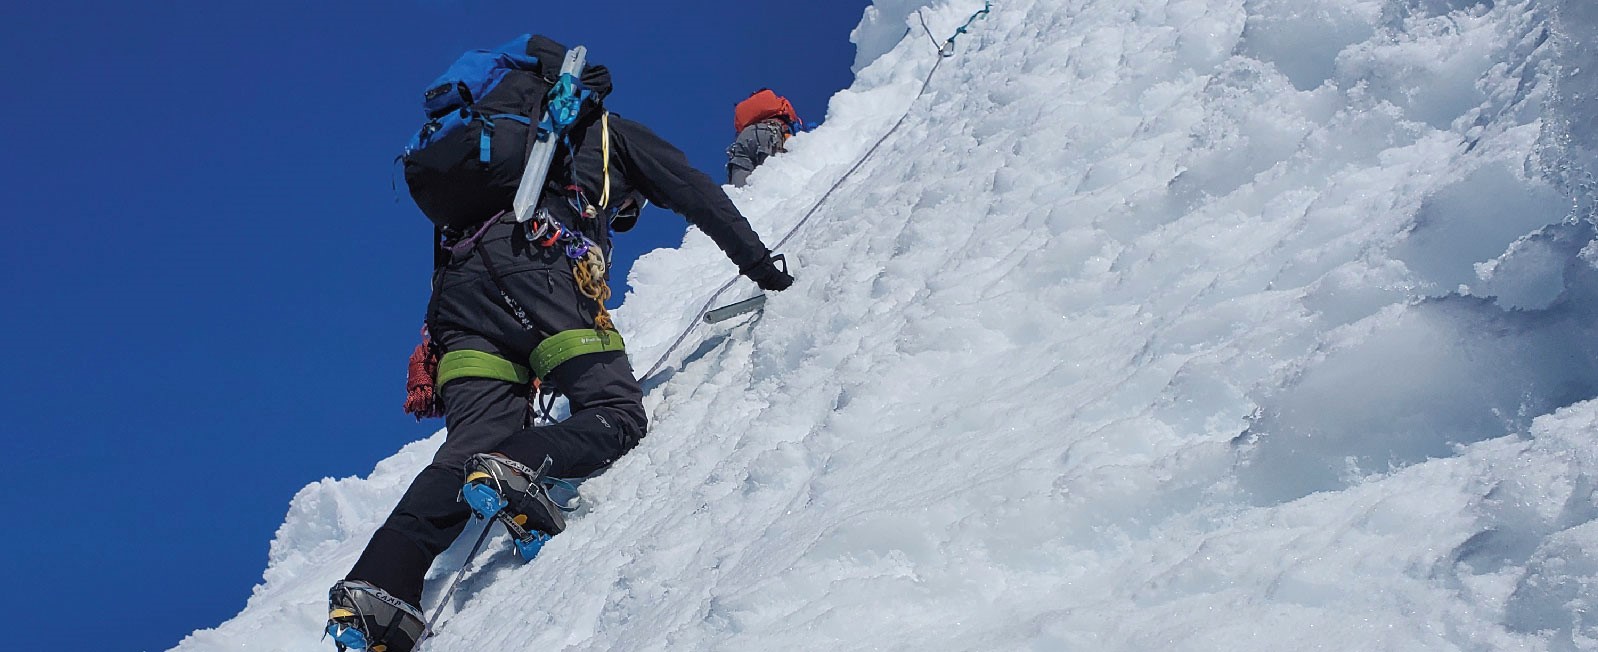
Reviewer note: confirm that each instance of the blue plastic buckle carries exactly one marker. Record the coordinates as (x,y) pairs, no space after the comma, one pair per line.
(483,499)
(529,549)
(565,100)
(349,636)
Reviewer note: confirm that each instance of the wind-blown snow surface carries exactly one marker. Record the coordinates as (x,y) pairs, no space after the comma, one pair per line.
(1160,324)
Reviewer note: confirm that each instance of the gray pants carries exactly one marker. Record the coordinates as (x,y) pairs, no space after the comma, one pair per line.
(754,145)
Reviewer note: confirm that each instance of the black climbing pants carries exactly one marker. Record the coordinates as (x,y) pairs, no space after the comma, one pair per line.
(488,415)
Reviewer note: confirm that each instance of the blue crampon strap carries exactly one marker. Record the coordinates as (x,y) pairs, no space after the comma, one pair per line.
(529,548)
(487,503)
(483,500)
(351,638)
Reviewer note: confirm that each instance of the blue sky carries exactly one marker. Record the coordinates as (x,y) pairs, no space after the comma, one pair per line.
(212,287)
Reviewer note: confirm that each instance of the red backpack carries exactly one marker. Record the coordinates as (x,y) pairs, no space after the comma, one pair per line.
(762,105)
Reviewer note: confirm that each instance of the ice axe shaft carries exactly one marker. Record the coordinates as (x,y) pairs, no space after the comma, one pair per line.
(734,309)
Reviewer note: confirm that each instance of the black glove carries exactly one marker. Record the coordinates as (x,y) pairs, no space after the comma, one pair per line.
(767,275)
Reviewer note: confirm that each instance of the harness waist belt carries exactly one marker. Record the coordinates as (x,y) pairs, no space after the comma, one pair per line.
(552,352)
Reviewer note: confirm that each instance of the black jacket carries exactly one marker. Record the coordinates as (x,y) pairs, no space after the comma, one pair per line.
(644,162)
(466,293)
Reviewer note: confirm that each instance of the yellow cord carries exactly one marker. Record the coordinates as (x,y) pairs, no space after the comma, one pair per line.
(589,271)
(604,147)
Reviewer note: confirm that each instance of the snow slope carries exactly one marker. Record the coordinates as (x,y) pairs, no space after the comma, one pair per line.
(1159,324)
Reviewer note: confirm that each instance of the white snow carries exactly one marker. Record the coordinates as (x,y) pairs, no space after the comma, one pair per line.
(1160,324)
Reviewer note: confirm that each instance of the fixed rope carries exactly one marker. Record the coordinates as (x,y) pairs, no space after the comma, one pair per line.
(944,51)
(427,629)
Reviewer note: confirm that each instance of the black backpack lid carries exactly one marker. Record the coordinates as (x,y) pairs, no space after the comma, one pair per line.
(552,53)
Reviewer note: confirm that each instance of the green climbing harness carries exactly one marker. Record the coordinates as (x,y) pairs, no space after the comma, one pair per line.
(466,363)
(551,353)
(566,345)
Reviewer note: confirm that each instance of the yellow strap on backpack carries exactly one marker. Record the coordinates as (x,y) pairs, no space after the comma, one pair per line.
(604,147)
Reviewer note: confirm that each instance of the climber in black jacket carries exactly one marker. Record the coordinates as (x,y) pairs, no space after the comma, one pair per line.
(513,302)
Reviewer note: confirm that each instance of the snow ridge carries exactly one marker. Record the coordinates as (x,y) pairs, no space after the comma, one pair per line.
(1161,324)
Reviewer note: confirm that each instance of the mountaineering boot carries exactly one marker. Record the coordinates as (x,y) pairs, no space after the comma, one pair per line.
(500,488)
(364,617)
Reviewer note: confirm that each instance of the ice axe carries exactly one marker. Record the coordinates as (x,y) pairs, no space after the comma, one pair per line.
(746,306)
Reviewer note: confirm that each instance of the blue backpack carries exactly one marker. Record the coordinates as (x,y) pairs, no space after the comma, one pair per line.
(464,164)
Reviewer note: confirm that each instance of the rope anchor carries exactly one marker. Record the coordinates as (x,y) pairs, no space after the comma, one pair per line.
(946,50)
